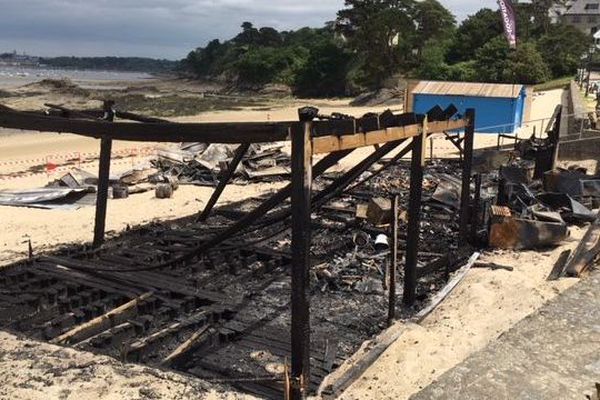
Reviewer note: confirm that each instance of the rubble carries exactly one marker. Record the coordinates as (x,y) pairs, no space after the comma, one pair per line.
(201,164)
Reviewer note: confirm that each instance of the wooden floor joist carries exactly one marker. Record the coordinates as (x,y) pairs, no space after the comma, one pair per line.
(193,341)
(100,323)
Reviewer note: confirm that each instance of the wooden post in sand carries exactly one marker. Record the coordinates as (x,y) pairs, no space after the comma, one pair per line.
(301,238)
(103,179)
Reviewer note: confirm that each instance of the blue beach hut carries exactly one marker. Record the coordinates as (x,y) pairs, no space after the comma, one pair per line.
(499,108)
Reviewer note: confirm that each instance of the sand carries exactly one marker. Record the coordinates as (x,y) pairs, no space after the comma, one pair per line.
(31,370)
(483,306)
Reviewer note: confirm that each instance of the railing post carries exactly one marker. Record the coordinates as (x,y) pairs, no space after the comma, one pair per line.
(301,238)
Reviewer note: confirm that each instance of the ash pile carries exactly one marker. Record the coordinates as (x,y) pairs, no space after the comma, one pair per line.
(201,163)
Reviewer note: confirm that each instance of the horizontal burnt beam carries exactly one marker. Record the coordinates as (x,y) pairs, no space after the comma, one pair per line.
(239,132)
(342,134)
(327,144)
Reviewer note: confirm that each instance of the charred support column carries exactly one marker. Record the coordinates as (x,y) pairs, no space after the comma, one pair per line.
(466,177)
(223,180)
(476,209)
(394,263)
(414,216)
(301,237)
(103,179)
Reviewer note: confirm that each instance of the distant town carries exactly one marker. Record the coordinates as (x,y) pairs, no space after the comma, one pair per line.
(124,64)
(14,59)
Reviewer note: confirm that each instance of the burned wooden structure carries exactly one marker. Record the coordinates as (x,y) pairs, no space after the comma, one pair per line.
(330,140)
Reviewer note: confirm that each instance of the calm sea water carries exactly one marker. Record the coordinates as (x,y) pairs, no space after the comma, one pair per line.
(17,76)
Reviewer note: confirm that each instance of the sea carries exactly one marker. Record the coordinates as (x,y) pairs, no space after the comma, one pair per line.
(14,76)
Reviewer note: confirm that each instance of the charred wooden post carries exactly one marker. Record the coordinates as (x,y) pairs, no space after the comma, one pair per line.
(393,264)
(223,180)
(103,179)
(476,209)
(414,215)
(301,237)
(466,177)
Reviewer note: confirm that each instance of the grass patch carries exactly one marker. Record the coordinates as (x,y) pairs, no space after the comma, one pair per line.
(560,83)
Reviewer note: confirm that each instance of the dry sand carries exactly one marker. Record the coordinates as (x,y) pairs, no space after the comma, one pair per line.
(33,370)
(484,305)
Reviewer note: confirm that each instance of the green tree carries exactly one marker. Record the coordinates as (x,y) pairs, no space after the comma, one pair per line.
(249,35)
(434,21)
(269,37)
(491,59)
(201,60)
(433,61)
(562,48)
(381,33)
(324,73)
(525,65)
(473,33)
(463,71)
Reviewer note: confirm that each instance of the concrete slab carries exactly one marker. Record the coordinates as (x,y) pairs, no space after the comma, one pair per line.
(552,354)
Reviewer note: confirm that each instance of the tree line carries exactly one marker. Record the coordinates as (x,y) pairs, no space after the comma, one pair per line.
(123,64)
(373,40)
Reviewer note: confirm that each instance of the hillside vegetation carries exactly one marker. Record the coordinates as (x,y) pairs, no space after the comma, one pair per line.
(124,64)
(373,40)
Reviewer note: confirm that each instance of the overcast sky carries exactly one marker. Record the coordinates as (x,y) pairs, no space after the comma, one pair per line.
(156,28)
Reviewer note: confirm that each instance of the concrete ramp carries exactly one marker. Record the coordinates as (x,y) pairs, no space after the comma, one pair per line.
(552,354)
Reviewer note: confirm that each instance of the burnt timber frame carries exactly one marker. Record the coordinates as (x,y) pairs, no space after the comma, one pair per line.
(223,180)
(340,139)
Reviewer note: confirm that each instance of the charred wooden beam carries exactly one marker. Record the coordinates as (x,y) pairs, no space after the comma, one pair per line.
(301,238)
(241,132)
(586,251)
(414,215)
(393,264)
(223,180)
(476,209)
(338,185)
(139,118)
(559,266)
(326,144)
(103,180)
(320,167)
(103,322)
(58,110)
(102,193)
(466,177)
(196,339)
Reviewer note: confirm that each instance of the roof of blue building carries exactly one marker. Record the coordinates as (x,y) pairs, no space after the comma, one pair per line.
(473,89)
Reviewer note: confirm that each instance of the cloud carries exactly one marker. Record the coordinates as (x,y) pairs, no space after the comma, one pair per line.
(156,28)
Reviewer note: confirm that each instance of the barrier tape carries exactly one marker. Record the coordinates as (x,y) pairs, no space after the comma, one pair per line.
(77,155)
(52,163)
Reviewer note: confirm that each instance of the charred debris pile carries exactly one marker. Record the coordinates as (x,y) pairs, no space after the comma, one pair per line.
(166,295)
(225,315)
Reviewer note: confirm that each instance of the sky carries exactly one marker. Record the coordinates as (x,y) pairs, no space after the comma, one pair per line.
(157,28)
